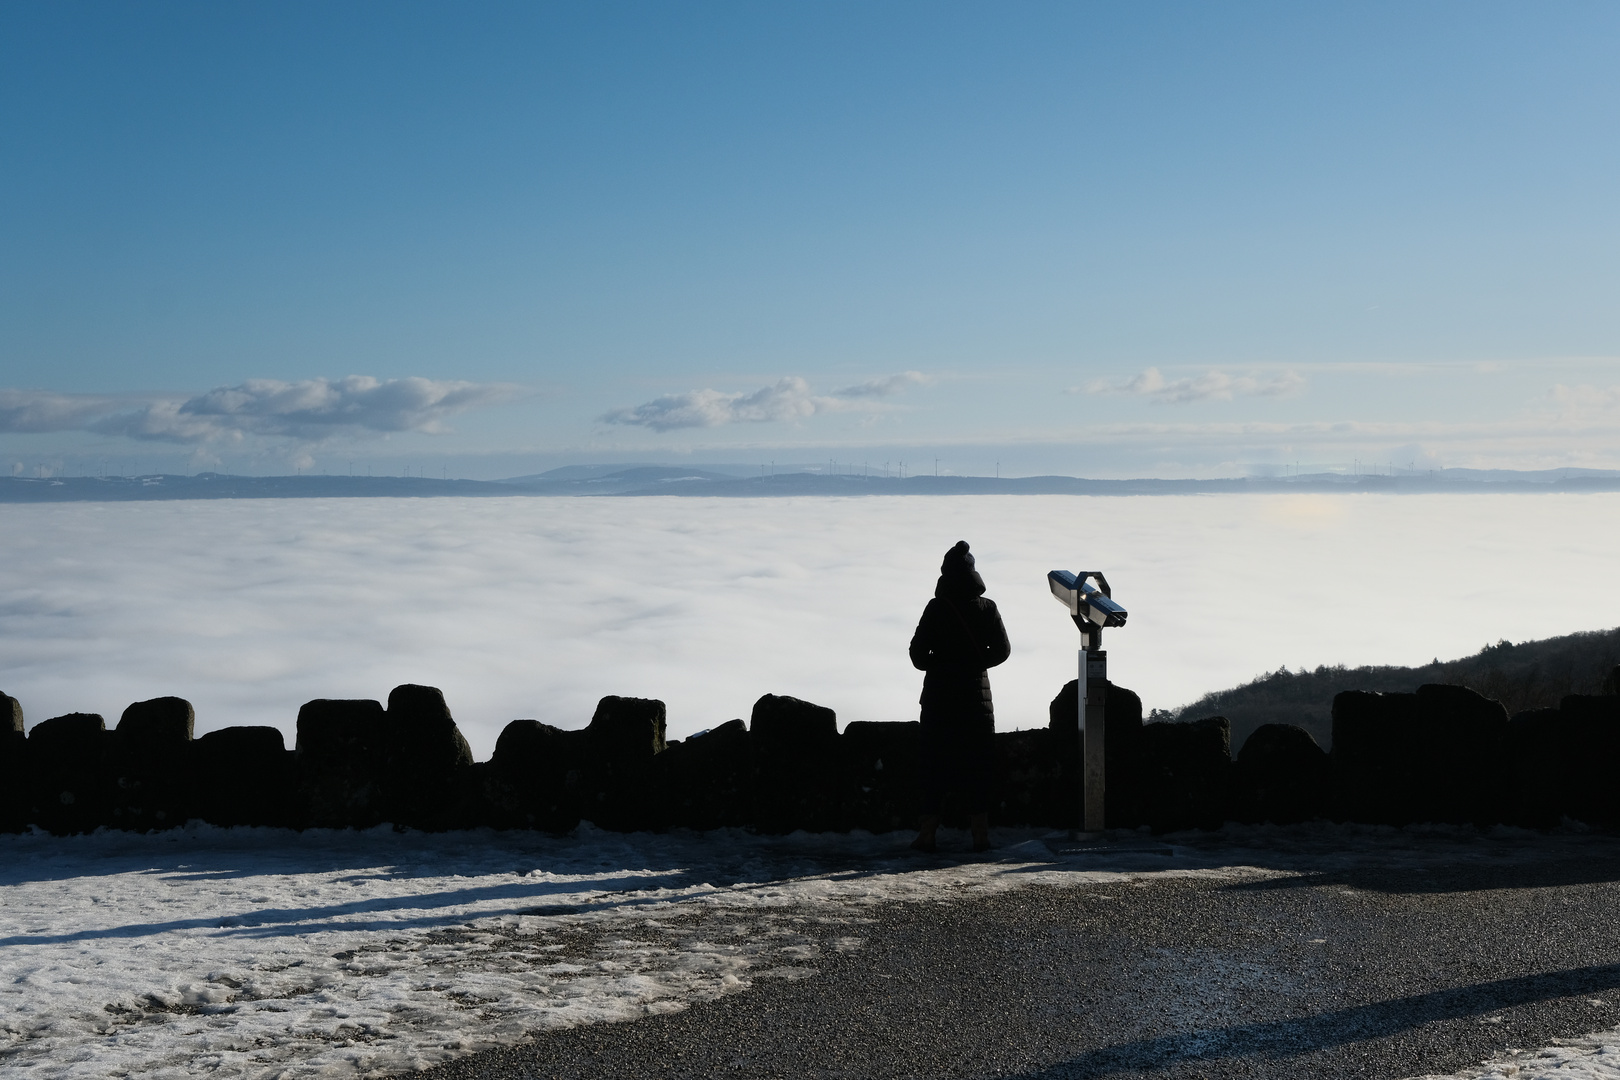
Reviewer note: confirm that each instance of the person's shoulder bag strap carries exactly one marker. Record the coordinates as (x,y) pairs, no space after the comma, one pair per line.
(974,638)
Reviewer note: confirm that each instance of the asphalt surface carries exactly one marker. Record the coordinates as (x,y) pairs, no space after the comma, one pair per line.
(1362,972)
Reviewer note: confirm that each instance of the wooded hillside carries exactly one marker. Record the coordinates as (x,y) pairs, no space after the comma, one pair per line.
(1528,675)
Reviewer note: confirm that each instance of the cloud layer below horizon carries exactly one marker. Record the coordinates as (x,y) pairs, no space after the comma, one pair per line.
(537,607)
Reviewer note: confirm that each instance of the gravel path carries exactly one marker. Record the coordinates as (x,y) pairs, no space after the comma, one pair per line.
(1360,972)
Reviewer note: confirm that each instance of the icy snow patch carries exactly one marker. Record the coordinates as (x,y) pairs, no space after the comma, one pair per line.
(261,952)
(1593,1057)
(269,953)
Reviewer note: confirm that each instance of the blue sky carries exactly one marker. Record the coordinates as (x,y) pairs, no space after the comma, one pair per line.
(1129,239)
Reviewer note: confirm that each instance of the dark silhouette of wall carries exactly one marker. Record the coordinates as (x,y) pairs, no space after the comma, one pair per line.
(1439,754)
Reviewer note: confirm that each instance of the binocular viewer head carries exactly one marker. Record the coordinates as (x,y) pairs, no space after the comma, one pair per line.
(1084,600)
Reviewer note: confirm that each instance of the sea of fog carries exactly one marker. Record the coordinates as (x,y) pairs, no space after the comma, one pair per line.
(536,607)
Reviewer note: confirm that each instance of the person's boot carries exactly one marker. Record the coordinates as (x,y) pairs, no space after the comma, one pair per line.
(926,828)
(980,824)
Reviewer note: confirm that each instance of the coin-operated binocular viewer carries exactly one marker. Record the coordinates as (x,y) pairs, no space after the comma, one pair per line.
(1092,608)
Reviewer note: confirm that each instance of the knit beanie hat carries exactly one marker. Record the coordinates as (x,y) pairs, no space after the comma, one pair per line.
(958,560)
(956,574)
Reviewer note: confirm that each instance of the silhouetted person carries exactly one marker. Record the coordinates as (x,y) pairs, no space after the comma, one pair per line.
(959,637)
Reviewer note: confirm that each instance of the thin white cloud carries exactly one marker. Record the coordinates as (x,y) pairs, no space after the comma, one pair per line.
(886,386)
(310,411)
(37,411)
(1541,439)
(787,399)
(1585,402)
(1210,386)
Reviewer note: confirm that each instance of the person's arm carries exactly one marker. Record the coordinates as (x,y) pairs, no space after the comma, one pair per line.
(996,648)
(922,642)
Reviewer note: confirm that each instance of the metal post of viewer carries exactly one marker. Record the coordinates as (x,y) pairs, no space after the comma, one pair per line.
(1092,608)
(1094,677)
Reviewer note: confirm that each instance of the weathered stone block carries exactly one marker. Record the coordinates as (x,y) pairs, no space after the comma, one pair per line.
(1185,771)
(626,730)
(68,778)
(615,788)
(529,748)
(535,777)
(1458,767)
(360,765)
(471,799)
(424,749)
(342,756)
(1436,755)
(790,729)
(1028,779)
(797,779)
(1372,757)
(151,786)
(14,771)
(1281,776)
(1122,730)
(1536,782)
(881,764)
(707,781)
(244,776)
(426,739)
(161,725)
(1590,749)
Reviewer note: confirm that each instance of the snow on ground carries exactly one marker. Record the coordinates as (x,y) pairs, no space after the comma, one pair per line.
(537,607)
(259,952)
(1593,1057)
(269,953)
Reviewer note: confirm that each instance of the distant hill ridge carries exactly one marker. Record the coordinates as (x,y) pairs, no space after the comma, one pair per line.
(1527,675)
(738,482)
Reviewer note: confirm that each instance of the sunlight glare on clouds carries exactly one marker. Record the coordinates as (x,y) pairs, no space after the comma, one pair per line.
(539,606)
(1313,511)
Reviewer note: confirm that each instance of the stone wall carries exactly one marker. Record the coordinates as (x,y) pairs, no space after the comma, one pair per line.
(1442,754)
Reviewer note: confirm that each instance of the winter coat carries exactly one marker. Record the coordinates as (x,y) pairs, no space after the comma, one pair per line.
(959,637)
